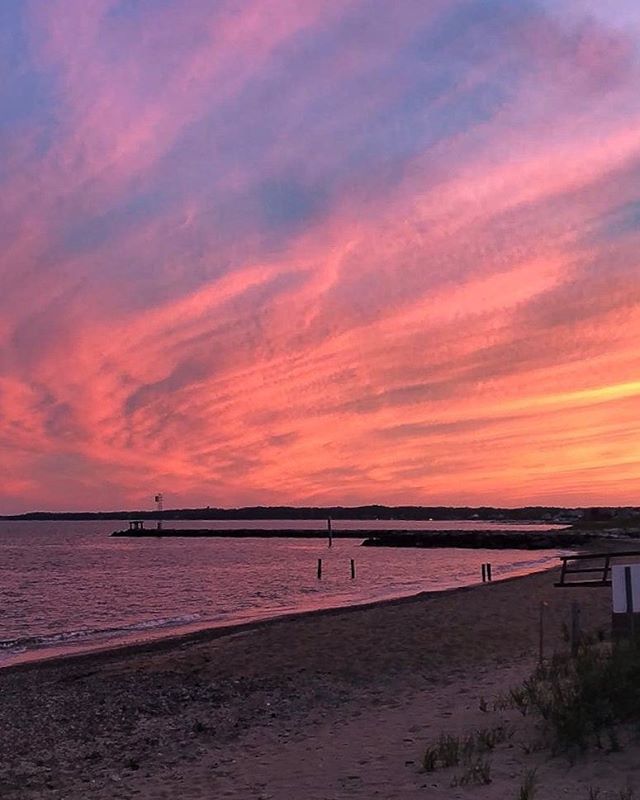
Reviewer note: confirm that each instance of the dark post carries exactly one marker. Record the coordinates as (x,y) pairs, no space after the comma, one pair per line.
(628,588)
(319,568)
(575,628)
(489,578)
(484,573)
(159,500)
(353,568)
(563,572)
(541,633)
(329,532)
(607,568)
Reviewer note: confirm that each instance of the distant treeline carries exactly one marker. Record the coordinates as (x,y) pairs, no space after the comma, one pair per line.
(370,512)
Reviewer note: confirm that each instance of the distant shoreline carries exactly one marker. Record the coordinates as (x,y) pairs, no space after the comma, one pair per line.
(550,514)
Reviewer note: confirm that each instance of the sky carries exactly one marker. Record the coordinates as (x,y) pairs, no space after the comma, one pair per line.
(319,251)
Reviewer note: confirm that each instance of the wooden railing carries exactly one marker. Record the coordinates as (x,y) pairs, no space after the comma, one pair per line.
(600,570)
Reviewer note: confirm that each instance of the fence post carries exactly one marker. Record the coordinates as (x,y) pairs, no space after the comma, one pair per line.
(628,588)
(563,572)
(575,628)
(541,634)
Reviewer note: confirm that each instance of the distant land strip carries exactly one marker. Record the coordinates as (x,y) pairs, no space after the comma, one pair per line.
(551,514)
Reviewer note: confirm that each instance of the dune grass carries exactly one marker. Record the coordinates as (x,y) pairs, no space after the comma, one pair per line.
(583,699)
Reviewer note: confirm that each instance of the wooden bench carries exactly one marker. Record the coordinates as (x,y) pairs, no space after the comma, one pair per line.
(598,574)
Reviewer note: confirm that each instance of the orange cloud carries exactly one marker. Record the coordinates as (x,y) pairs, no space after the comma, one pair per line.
(314,254)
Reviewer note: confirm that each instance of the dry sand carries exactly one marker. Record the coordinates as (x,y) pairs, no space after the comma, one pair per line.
(324,706)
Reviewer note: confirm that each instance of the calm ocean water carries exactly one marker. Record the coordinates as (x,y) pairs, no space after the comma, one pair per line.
(68,586)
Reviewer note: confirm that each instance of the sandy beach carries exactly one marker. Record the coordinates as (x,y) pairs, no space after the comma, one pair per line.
(321,706)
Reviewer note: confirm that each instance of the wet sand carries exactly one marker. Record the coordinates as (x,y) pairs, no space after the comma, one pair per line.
(327,705)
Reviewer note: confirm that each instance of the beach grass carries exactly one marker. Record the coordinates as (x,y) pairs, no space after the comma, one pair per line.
(529,785)
(583,699)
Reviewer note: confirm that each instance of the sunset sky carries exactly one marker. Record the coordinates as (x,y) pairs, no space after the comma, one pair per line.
(319,251)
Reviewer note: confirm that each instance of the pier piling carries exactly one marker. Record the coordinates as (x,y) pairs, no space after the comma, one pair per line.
(319,568)
(353,568)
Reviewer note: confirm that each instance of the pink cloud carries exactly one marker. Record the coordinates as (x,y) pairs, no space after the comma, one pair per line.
(449,315)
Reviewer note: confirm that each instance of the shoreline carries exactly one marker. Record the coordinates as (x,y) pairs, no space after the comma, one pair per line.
(299,706)
(202,635)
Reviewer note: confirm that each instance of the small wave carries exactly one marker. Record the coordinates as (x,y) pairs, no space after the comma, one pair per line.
(22,643)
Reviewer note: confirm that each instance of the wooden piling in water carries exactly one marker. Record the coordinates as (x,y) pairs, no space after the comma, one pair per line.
(319,568)
(329,532)
(484,573)
(353,568)
(489,578)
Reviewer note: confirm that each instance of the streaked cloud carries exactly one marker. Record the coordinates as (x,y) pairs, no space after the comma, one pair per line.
(286,252)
